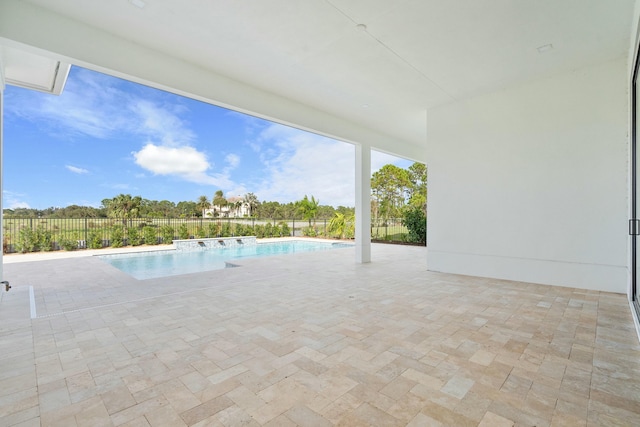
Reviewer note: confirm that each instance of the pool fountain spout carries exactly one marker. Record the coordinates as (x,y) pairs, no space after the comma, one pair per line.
(205,243)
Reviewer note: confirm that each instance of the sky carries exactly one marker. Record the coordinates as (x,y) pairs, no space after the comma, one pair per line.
(105,136)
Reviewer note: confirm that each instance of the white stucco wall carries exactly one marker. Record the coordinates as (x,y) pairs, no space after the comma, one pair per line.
(530,183)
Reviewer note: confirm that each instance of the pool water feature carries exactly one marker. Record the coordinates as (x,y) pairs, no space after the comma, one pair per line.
(211,243)
(150,265)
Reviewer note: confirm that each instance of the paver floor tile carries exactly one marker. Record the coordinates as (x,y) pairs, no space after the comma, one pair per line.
(311,340)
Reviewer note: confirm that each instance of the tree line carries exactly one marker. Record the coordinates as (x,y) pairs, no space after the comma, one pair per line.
(125,205)
(395,193)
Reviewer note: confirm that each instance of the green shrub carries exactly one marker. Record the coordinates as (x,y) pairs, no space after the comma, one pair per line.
(68,244)
(239,230)
(350,233)
(94,239)
(309,232)
(200,233)
(226,230)
(214,229)
(150,235)
(133,234)
(117,236)
(45,239)
(284,229)
(415,220)
(27,240)
(259,231)
(166,231)
(30,240)
(183,231)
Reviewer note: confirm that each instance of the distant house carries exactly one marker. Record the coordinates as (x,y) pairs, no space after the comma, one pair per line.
(236,207)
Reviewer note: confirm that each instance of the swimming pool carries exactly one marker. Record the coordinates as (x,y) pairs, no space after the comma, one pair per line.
(150,265)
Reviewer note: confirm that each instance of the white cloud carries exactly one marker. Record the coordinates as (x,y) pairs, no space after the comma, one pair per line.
(88,107)
(102,107)
(13,200)
(76,169)
(171,161)
(300,163)
(183,162)
(160,123)
(296,162)
(232,161)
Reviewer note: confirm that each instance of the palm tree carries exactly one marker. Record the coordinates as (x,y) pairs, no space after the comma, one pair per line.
(219,200)
(252,201)
(203,204)
(125,207)
(343,226)
(308,208)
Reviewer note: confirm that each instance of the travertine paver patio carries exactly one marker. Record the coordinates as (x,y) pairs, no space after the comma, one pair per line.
(311,340)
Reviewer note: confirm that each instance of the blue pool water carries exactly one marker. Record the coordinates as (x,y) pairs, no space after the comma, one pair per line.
(149,265)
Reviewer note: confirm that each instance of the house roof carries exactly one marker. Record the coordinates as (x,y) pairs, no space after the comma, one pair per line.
(358,70)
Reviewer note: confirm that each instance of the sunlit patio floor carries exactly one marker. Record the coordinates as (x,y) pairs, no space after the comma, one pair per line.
(311,339)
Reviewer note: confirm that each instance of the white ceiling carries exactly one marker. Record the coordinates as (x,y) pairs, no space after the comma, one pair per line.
(413,54)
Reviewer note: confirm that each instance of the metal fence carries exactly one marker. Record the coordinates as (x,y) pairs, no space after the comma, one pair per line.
(47,234)
(391,230)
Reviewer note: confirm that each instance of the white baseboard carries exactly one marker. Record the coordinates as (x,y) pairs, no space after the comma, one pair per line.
(608,278)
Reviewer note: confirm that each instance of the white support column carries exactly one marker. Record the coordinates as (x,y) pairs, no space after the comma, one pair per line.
(363,204)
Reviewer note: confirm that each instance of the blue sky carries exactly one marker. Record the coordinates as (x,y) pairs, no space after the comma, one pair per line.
(105,136)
